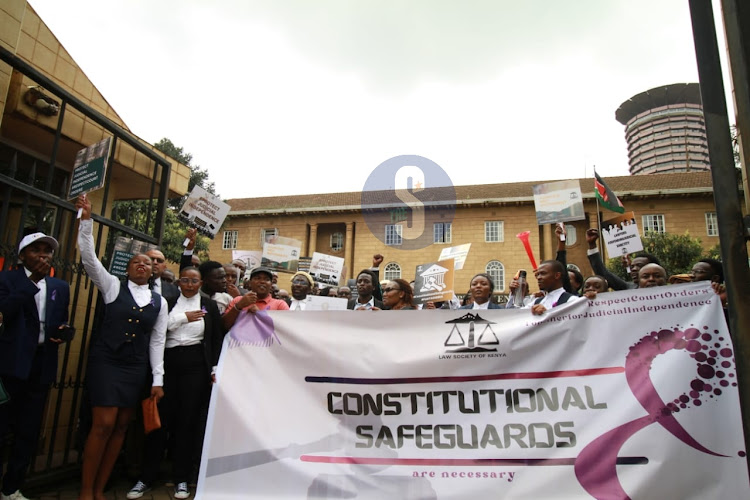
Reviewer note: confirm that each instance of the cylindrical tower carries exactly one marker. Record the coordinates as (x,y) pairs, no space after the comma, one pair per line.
(665,130)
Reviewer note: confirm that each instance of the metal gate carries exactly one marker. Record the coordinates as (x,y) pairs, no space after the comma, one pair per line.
(33,188)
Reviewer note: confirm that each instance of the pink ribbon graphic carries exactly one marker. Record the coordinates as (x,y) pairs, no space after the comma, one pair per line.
(595,466)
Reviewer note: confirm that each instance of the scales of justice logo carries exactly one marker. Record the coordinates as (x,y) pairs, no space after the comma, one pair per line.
(468,323)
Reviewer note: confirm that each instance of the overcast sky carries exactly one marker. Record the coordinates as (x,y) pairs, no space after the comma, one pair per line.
(307,96)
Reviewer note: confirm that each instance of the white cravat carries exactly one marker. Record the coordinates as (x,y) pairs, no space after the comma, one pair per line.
(41,303)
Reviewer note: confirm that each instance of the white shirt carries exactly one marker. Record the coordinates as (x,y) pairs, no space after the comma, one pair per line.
(550,300)
(157,285)
(486,305)
(222,299)
(366,305)
(109,287)
(41,303)
(180,331)
(298,305)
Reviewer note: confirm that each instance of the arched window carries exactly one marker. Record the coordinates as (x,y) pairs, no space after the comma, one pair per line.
(337,241)
(392,271)
(497,272)
(572,237)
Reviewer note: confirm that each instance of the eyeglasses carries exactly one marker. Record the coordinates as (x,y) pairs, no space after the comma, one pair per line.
(189,281)
(158,260)
(386,290)
(300,282)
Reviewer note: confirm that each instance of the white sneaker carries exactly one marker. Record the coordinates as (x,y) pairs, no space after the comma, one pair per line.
(13,496)
(181,491)
(138,490)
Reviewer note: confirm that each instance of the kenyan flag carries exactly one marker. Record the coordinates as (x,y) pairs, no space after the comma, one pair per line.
(607,197)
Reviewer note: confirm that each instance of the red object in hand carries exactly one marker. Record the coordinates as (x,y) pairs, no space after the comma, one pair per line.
(524,237)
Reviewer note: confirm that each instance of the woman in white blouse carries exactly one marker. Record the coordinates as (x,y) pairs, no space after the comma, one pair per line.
(130,338)
(194,339)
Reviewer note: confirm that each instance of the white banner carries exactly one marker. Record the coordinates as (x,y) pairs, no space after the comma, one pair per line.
(631,395)
(317,303)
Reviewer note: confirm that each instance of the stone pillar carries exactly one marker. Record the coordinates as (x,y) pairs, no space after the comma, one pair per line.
(311,246)
(349,250)
(547,245)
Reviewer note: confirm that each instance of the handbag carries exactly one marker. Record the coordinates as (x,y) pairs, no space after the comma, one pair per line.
(151,420)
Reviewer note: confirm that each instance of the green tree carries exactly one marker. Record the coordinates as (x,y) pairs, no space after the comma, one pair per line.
(134,213)
(198,176)
(713,253)
(676,252)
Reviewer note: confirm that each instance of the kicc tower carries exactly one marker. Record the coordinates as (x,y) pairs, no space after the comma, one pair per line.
(665,130)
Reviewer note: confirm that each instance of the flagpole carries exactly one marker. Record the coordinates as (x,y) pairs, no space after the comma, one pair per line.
(598,219)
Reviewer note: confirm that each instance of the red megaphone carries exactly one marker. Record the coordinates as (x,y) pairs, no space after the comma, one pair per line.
(524,237)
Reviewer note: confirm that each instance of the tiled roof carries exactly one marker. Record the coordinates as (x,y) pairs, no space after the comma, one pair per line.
(629,185)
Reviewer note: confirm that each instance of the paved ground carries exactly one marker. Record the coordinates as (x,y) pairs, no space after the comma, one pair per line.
(69,491)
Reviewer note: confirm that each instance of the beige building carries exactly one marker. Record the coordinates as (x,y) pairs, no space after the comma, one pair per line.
(487,216)
(49,110)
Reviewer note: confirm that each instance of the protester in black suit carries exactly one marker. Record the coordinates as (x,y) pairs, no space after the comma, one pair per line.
(193,345)
(34,312)
(549,276)
(366,281)
(159,264)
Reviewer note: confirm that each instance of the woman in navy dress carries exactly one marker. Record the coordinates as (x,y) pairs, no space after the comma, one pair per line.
(130,338)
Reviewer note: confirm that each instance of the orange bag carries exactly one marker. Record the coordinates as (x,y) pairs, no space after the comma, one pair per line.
(151,420)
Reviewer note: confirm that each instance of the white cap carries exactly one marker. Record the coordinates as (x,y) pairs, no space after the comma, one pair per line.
(34,237)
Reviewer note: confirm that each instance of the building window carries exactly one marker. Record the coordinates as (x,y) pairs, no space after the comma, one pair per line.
(230,240)
(653,224)
(712,224)
(337,242)
(393,234)
(493,231)
(441,232)
(496,271)
(571,237)
(392,271)
(267,234)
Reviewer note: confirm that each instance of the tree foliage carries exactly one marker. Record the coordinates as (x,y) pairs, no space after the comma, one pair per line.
(676,252)
(198,176)
(713,253)
(135,213)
